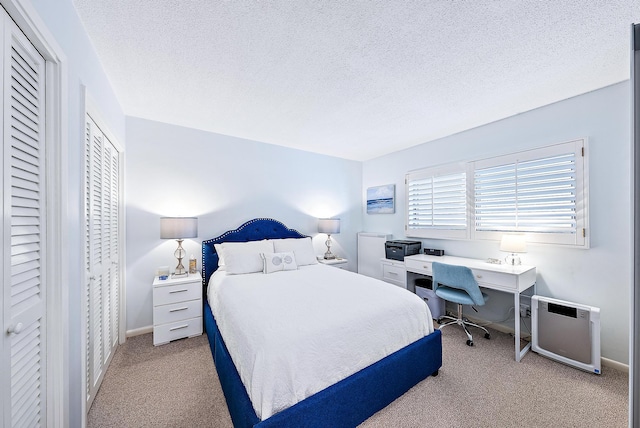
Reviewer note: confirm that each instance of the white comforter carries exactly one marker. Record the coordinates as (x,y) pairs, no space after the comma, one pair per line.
(293,333)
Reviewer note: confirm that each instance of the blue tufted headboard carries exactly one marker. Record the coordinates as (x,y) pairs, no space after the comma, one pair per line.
(253,230)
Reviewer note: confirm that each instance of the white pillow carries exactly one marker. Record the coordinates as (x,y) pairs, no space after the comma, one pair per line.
(218,248)
(275,262)
(244,257)
(301,247)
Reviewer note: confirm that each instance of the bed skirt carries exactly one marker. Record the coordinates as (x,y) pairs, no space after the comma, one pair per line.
(344,404)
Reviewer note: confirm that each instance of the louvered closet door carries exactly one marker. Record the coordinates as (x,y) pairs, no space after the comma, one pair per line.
(102,254)
(23,352)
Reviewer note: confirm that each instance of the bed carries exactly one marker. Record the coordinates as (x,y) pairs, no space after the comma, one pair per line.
(299,370)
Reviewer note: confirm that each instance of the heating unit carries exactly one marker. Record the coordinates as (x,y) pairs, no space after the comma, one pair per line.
(566,332)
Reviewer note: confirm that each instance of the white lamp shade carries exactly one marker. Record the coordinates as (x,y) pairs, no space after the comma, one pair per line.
(513,243)
(178,227)
(329,225)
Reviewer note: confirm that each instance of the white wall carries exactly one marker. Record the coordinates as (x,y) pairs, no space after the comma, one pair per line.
(83,70)
(224,181)
(599,276)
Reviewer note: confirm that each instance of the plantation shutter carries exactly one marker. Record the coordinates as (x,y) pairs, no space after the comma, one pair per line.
(529,196)
(23,229)
(101,254)
(538,192)
(436,204)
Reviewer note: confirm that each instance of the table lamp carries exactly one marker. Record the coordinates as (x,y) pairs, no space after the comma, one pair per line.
(329,226)
(513,243)
(179,228)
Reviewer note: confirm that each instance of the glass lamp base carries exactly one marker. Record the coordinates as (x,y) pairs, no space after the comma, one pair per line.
(328,255)
(179,254)
(513,259)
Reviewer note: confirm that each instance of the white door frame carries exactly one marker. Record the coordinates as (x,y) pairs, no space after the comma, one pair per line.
(57,276)
(634,324)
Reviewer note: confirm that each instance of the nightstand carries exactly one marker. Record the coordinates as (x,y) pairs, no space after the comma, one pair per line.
(177,308)
(339,263)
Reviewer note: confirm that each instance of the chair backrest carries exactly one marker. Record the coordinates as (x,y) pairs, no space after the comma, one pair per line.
(459,277)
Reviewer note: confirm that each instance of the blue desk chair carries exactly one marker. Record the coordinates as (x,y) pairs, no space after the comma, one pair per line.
(457,284)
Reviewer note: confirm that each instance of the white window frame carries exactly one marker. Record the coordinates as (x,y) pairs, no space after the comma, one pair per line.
(579,239)
(437,232)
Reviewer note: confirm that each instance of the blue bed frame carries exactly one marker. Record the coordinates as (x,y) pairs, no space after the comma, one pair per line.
(344,404)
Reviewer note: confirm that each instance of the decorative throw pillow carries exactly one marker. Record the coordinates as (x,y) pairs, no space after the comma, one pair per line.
(301,247)
(275,262)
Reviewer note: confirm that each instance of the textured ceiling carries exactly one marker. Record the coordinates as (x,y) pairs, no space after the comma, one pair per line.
(354,78)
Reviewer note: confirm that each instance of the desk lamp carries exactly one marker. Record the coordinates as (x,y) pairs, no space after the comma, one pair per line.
(329,226)
(513,243)
(179,228)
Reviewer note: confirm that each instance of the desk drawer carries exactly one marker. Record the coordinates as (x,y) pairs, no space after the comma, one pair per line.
(177,311)
(496,280)
(167,332)
(418,266)
(395,275)
(177,293)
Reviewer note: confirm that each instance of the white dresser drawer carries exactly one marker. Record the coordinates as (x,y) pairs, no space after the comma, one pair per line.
(177,311)
(165,333)
(177,293)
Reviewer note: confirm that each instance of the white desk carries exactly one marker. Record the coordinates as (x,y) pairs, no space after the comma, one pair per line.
(506,278)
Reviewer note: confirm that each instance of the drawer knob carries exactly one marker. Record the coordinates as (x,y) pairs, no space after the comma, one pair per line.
(178,291)
(179,309)
(478,276)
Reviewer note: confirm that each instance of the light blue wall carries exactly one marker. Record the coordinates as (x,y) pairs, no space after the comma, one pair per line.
(224,181)
(168,173)
(599,276)
(83,70)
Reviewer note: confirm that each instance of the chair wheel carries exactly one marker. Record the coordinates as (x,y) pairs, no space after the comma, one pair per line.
(469,342)
(439,320)
(487,336)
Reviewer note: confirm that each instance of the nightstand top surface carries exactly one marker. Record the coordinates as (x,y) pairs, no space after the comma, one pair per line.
(192,277)
(333,261)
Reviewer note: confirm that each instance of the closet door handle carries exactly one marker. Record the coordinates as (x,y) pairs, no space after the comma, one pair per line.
(15,329)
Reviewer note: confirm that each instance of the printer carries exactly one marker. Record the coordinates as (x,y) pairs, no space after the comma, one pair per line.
(397,250)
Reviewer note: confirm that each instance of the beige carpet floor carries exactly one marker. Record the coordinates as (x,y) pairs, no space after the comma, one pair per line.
(175,385)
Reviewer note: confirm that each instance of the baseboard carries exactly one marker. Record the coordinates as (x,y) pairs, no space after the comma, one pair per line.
(614,364)
(139,331)
(525,336)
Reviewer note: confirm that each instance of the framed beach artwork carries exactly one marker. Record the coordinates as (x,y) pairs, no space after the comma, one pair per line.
(381,199)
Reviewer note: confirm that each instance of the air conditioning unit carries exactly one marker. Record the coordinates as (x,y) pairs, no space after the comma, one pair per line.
(566,332)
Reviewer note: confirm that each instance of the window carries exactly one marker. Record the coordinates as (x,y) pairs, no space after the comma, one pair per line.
(437,203)
(540,192)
